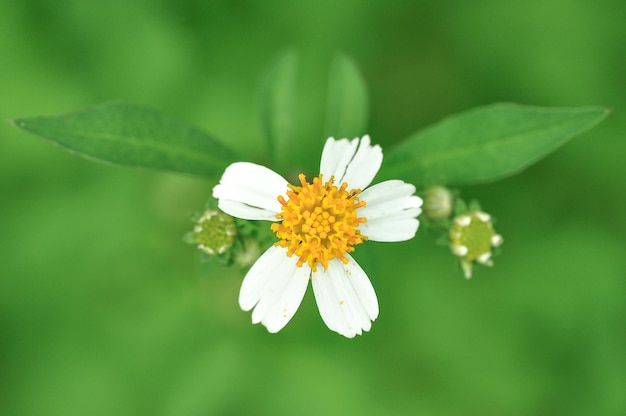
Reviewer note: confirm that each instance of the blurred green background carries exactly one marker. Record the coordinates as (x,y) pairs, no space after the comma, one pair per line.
(104,311)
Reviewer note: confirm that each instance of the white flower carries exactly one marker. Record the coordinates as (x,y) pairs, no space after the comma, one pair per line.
(318,224)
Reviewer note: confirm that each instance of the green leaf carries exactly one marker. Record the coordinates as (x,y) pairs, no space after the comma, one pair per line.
(277,105)
(486,143)
(129,135)
(347,109)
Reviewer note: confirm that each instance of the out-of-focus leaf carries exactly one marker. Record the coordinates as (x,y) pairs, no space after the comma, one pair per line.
(129,135)
(277,102)
(486,143)
(347,109)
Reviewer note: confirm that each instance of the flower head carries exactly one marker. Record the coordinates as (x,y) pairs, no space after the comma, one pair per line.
(438,203)
(318,224)
(214,232)
(472,238)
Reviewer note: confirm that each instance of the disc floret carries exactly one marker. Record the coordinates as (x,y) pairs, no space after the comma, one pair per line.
(319,221)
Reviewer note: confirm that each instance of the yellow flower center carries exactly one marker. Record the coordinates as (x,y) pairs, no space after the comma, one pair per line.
(319,222)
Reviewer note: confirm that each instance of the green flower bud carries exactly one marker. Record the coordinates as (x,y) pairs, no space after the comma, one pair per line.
(438,203)
(250,252)
(215,232)
(472,238)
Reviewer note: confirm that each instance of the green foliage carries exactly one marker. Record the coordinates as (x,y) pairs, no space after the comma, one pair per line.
(345,113)
(347,108)
(130,135)
(479,145)
(277,103)
(103,311)
(486,143)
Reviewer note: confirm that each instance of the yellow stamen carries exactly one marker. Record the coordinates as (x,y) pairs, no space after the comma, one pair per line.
(319,222)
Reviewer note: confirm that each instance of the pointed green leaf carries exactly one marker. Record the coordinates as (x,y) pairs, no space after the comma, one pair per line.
(129,135)
(347,109)
(277,101)
(486,143)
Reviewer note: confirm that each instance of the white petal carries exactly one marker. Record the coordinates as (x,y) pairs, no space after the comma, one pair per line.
(392,198)
(240,210)
(257,278)
(336,156)
(463,220)
(250,191)
(390,229)
(390,211)
(345,297)
(364,165)
(276,285)
(355,162)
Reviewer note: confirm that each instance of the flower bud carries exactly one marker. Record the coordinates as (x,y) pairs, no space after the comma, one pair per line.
(438,203)
(250,252)
(214,232)
(472,238)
